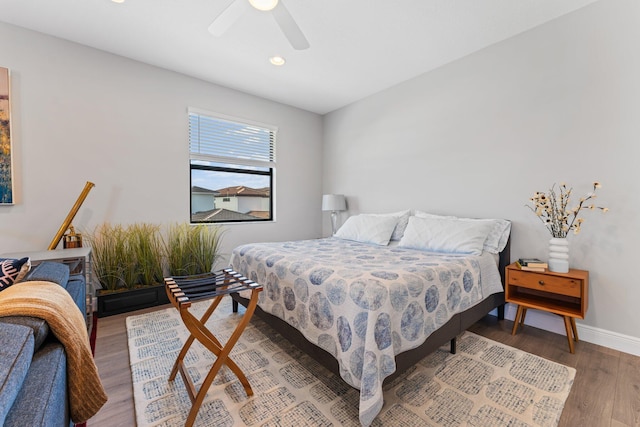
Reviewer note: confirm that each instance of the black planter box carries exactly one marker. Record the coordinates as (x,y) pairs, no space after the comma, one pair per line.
(130,300)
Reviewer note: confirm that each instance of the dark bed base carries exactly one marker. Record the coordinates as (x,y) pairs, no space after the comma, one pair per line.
(448,332)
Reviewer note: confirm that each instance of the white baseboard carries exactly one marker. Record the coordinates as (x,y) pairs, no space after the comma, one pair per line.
(553,323)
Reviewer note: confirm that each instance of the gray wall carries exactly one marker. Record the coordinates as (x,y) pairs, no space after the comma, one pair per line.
(80,115)
(479,136)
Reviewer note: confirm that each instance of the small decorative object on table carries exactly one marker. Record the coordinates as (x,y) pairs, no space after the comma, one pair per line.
(554,212)
(72,239)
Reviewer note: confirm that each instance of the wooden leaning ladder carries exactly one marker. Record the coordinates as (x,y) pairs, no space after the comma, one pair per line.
(184,290)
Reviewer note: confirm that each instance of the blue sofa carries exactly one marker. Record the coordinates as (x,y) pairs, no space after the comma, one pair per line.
(33,364)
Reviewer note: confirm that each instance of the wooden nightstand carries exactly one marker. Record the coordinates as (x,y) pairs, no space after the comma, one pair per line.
(565,294)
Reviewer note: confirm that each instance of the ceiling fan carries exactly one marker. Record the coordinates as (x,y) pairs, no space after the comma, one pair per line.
(277,9)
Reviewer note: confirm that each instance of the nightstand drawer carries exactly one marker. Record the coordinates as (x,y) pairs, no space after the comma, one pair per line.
(547,283)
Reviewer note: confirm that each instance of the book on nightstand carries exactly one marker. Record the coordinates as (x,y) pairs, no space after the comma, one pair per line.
(531,264)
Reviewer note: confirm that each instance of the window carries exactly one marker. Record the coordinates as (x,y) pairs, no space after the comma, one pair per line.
(232,163)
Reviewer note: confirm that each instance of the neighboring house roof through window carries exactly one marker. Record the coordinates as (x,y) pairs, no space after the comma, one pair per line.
(242,191)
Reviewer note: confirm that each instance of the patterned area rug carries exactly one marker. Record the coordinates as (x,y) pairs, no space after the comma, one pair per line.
(485,384)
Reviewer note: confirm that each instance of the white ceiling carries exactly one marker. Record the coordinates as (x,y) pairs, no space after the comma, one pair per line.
(358,47)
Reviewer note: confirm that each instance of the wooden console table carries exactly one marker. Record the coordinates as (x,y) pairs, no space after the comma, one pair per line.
(565,294)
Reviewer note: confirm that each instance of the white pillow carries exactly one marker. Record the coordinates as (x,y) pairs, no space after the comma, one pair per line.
(403,220)
(450,235)
(498,235)
(368,229)
(421,214)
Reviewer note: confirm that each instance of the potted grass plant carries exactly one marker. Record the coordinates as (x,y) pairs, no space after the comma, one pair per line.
(127,262)
(192,249)
(131,261)
(107,255)
(146,245)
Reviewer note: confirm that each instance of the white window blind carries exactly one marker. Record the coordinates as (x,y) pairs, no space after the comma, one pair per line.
(218,139)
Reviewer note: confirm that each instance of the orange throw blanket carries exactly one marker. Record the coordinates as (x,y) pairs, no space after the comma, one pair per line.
(52,303)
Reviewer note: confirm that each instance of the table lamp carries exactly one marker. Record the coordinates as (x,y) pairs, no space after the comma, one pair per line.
(334,203)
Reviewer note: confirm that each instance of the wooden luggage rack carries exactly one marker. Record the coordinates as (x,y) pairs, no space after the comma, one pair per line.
(183,291)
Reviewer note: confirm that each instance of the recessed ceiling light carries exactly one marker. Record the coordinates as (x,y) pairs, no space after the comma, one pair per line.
(118,1)
(277,60)
(264,5)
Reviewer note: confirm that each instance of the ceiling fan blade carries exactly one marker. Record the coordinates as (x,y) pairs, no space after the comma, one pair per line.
(227,17)
(289,27)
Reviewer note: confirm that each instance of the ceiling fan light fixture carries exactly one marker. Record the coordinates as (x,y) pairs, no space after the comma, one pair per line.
(264,5)
(277,60)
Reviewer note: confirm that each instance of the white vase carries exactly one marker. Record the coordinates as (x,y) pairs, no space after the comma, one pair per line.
(559,255)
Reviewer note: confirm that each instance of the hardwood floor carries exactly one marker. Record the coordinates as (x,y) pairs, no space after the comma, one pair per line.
(606,391)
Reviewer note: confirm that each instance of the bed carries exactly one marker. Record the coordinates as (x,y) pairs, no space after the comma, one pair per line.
(367,308)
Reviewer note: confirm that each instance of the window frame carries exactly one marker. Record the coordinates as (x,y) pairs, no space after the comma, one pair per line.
(266,168)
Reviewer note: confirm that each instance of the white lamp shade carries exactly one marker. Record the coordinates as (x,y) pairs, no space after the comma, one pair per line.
(333,202)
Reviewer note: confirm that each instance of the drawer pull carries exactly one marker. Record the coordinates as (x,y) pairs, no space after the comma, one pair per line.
(541,282)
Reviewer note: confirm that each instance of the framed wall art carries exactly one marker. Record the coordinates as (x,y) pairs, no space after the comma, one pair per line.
(6,171)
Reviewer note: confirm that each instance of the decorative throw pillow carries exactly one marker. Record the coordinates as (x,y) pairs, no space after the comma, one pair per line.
(13,270)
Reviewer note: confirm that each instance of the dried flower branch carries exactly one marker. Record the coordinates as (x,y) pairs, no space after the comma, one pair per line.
(554,212)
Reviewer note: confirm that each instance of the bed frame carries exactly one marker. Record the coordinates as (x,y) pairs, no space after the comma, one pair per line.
(448,332)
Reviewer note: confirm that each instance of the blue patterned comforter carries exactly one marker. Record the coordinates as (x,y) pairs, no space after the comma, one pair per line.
(364,303)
